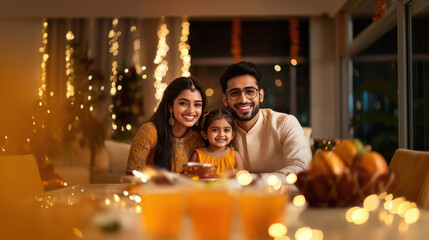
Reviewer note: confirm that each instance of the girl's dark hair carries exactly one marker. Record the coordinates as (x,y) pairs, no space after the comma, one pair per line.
(216,114)
(164,149)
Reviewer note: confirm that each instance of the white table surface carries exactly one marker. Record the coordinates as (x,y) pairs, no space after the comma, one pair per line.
(331,221)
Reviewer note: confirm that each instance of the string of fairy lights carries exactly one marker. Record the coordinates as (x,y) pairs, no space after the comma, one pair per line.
(184,48)
(162,64)
(159,72)
(114,35)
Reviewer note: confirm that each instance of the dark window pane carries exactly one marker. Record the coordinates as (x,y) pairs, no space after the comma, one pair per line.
(374,103)
(419,104)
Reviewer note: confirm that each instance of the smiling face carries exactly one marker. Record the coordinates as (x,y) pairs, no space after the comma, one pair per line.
(243,108)
(187,108)
(219,133)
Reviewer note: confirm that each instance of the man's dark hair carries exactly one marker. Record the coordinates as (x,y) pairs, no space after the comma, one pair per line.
(239,69)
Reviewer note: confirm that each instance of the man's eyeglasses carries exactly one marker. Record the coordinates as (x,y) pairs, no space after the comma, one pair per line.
(235,93)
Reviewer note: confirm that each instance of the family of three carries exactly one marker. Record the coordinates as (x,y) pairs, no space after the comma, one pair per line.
(263,141)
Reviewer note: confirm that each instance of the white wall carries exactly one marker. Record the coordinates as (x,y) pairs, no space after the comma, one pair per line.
(20,60)
(324,89)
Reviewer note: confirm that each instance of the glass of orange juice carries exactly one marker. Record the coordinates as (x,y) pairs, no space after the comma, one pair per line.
(211,211)
(260,208)
(162,210)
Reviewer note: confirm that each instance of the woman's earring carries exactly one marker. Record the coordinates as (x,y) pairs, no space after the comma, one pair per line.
(171,119)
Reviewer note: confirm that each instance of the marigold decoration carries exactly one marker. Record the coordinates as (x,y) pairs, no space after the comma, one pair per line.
(381,10)
(294,40)
(236,39)
(341,34)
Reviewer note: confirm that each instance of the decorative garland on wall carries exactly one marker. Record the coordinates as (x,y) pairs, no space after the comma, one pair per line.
(236,39)
(114,35)
(162,68)
(184,48)
(381,10)
(294,40)
(381,6)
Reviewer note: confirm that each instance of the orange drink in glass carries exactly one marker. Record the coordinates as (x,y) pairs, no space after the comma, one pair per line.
(211,211)
(162,210)
(259,209)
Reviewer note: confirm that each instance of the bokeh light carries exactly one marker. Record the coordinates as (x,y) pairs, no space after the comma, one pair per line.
(277,230)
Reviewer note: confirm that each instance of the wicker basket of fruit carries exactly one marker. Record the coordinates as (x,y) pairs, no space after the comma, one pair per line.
(345,176)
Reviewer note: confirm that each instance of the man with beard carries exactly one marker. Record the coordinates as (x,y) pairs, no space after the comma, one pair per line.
(270,142)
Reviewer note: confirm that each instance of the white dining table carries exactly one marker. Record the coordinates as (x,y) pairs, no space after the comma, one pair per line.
(109,212)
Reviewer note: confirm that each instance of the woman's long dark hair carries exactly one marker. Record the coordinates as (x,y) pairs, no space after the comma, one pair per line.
(164,149)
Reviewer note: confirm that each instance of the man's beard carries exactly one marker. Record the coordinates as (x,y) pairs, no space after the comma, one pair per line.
(244,118)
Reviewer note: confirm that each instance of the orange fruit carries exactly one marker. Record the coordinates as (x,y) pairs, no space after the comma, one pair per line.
(327,163)
(372,162)
(347,150)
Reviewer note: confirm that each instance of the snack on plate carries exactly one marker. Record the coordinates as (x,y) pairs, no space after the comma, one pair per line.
(345,175)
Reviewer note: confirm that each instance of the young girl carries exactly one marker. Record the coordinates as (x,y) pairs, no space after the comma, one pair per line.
(217,130)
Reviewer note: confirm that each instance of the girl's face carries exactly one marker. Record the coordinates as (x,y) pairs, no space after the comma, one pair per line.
(219,133)
(187,108)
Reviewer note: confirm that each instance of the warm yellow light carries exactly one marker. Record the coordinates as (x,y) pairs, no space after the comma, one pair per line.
(389,197)
(412,215)
(277,68)
(209,92)
(371,202)
(299,201)
(137,199)
(388,205)
(382,195)
(291,178)
(116,197)
(69,36)
(303,233)
(403,207)
(360,216)
(395,204)
(277,230)
(128,127)
(107,201)
(113,116)
(294,62)
(243,177)
(272,180)
(278,82)
(349,214)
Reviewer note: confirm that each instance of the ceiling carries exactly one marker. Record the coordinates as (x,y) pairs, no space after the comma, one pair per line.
(168,8)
